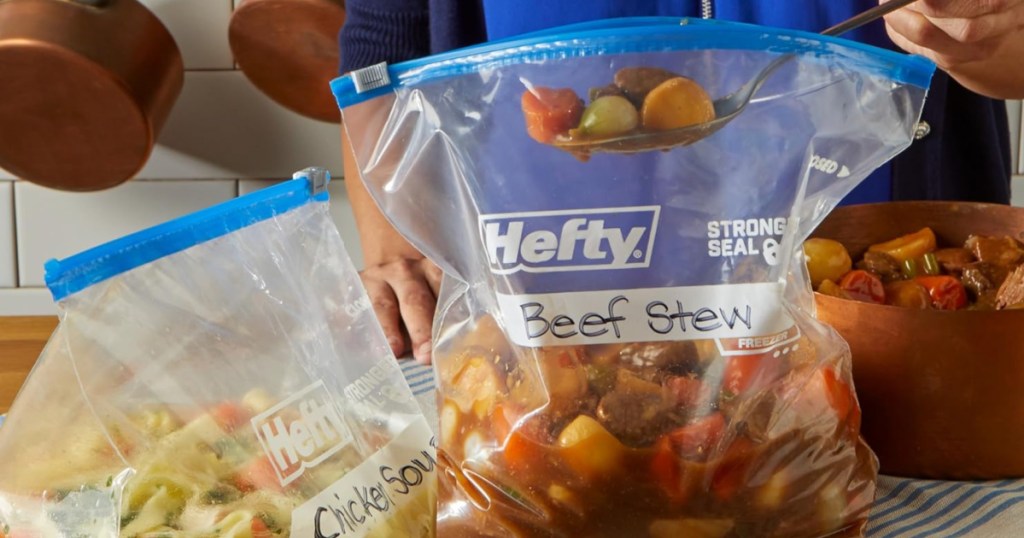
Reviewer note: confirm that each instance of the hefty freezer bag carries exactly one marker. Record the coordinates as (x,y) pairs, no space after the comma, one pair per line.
(625,342)
(220,375)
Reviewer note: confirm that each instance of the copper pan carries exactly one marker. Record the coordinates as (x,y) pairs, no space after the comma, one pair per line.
(289,50)
(942,392)
(86,86)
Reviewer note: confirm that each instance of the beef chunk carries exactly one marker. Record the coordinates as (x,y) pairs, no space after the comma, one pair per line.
(1011,292)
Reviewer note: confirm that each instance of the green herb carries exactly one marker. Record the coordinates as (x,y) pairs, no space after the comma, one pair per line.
(221,494)
(930,263)
(909,268)
(128,518)
(269,521)
(110,481)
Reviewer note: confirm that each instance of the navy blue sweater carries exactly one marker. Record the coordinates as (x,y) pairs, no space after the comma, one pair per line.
(966,156)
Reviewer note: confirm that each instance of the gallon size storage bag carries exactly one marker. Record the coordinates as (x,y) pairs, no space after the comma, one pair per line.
(220,375)
(625,342)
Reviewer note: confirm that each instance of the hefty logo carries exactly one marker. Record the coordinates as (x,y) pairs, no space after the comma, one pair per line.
(301,432)
(573,240)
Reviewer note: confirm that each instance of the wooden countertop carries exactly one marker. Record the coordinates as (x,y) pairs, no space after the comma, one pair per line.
(21,341)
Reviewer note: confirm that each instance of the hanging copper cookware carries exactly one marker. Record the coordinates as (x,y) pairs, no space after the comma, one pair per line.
(940,390)
(289,50)
(86,86)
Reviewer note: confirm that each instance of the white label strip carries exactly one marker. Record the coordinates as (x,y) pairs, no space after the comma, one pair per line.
(645,315)
(373,494)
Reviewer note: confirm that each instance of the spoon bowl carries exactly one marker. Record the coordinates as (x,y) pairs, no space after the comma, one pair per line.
(726,108)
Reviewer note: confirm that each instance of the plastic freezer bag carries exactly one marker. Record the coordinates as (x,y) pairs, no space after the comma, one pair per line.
(220,375)
(624,344)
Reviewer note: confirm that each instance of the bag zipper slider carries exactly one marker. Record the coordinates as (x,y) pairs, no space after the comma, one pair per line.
(318,179)
(371,77)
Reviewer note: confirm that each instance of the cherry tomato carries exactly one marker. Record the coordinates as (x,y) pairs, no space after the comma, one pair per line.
(863,286)
(550,112)
(947,292)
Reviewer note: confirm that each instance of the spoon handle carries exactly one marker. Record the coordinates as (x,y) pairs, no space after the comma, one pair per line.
(866,17)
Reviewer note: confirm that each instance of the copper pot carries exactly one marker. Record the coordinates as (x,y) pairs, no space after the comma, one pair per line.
(86,87)
(942,392)
(289,50)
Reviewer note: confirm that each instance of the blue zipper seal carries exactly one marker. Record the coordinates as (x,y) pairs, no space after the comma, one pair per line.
(78,272)
(629,35)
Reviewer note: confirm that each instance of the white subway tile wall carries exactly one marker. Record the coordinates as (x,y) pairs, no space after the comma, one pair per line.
(57,224)
(7,249)
(223,137)
(199,28)
(222,127)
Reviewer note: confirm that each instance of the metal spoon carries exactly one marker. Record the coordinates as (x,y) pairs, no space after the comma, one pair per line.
(726,108)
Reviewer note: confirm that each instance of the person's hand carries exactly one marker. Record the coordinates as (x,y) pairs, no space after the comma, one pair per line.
(404,294)
(953,33)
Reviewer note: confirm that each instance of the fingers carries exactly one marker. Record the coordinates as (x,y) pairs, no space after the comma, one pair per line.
(404,297)
(433,274)
(965,9)
(386,308)
(417,302)
(955,32)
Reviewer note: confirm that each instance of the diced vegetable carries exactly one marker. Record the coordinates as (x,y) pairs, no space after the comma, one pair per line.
(691,527)
(259,529)
(773,493)
(676,103)
(230,415)
(550,112)
(748,372)
(476,386)
(449,421)
(698,438)
(666,470)
(930,264)
(689,393)
(908,268)
(609,116)
(730,474)
(565,498)
(828,287)
(909,246)
(947,292)
(826,260)
(861,285)
(258,474)
(841,398)
(520,452)
(589,448)
(671,452)
(907,294)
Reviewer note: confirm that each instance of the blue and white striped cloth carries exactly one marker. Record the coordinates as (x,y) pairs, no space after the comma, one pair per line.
(903,508)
